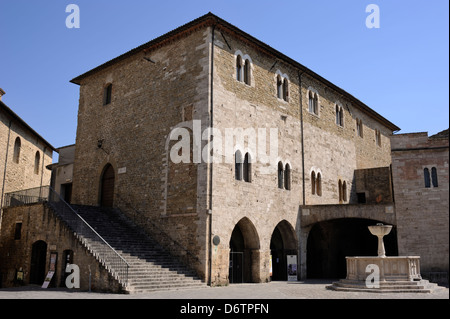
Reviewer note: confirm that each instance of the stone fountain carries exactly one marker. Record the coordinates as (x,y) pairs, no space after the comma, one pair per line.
(380,231)
(382,273)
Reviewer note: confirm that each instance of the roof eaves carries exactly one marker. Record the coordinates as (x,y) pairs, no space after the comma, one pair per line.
(219,21)
(16,117)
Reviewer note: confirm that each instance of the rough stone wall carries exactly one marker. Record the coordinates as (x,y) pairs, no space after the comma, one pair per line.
(40,223)
(22,175)
(260,202)
(148,101)
(422,213)
(336,152)
(375,183)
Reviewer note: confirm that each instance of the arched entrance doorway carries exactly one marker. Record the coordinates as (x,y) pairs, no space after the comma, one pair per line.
(107,186)
(282,244)
(244,253)
(38,258)
(329,242)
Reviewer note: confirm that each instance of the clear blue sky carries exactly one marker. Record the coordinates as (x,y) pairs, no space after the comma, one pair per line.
(400,70)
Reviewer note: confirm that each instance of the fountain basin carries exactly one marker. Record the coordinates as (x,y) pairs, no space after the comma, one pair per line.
(380,230)
(392,268)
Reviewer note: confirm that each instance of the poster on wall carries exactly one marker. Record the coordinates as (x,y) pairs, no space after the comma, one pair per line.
(270,265)
(48,278)
(52,269)
(292,267)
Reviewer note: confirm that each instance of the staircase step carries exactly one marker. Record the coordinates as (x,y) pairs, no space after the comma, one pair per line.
(151,267)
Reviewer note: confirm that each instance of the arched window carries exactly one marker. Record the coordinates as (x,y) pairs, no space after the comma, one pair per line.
(287,177)
(16,154)
(313,182)
(238,166)
(359,128)
(378,137)
(316,104)
(279,87)
(426,175)
(339,115)
(280,175)
(434,178)
(285,90)
(311,102)
(319,184)
(37,159)
(239,68)
(107,94)
(340,191)
(247,70)
(247,169)
(344,191)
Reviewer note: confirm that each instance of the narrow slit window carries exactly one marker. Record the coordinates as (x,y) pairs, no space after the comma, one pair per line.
(287,177)
(434,178)
(316,104)
(238,166)
(344,191)
(37,159)
(247,169)
(247,72)
(280,175)
(426,175)
(279,87)
(285,90)
(18,231)
(239,68)
(107,96)
(17,147)
(319,184)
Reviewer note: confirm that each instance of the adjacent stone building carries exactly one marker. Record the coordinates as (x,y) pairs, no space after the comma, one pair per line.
(420,176)
(24,154)
(62,172)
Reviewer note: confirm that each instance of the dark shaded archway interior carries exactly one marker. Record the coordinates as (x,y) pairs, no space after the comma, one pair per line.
(329,242)
(243,243)
(282,243)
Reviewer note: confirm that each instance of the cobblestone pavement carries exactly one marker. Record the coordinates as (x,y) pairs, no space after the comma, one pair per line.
(275,290)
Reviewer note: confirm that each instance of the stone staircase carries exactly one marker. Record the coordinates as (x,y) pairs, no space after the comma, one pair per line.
(151,268)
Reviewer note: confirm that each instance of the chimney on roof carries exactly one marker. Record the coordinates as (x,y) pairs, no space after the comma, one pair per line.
(2,93)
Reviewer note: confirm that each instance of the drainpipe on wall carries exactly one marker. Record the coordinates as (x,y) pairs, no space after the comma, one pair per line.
(302,140)
(42,170)
(211,123)
(4,173)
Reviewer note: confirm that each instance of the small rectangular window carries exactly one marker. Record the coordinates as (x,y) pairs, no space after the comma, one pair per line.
(18,231)
(361,198)
(107,94)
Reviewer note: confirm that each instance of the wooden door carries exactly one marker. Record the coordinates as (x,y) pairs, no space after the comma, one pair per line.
(107,189)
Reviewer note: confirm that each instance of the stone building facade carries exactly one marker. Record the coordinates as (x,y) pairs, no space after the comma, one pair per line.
(240,217)
(62,172)
(32,237)
(24,154)
(421,190)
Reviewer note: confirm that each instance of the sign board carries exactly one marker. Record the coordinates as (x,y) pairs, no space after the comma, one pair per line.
(292,267)
(52,269)
(48,278)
